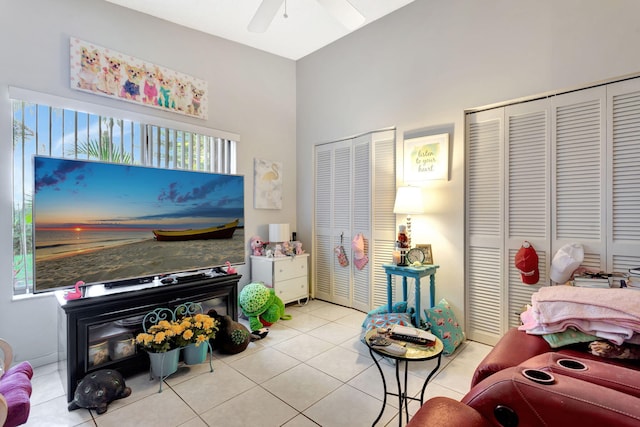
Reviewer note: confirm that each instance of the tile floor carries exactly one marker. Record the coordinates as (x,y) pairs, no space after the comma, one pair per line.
(310,371)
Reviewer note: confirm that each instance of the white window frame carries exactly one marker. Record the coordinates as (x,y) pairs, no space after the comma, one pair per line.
(202,149)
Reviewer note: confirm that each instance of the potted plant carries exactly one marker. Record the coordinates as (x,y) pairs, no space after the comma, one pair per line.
(162,342)
(197,330)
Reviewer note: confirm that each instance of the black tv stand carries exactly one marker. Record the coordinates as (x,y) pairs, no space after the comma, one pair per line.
(95,331)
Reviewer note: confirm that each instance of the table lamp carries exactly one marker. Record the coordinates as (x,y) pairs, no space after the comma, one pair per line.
(279,233)
(409,201)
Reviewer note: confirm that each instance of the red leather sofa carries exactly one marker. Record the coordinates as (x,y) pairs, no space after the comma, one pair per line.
(523,382)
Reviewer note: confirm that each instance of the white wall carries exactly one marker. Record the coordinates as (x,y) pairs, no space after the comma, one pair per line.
(251,93)
(419,68)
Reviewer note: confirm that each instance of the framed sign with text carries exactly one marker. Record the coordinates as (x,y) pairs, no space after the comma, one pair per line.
(426,158)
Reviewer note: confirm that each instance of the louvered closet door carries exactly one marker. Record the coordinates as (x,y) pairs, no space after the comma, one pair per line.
(383,234)
(527,199)
(361,219)
(578,175)
(346,204)
(484,218)
(323,256)
(623,130)
(342,217)
(333,217)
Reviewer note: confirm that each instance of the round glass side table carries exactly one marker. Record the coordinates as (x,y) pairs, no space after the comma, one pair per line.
(415,353)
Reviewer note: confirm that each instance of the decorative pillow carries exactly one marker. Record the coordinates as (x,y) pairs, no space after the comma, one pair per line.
(398,307)
(445,326)
(385,320)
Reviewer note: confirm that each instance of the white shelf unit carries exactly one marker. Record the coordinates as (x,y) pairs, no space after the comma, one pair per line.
(289,276)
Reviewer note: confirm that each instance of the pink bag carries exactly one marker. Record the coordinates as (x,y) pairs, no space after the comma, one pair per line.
(360,258)
(340,253)
(342,256)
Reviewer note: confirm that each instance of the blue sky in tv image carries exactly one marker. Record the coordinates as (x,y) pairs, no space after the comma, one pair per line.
(95,221)
(79,195)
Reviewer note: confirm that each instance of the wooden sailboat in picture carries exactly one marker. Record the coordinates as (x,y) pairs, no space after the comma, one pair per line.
(224,231)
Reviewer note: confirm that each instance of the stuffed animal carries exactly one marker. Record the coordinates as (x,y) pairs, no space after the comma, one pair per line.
(257,246)
(232,337)
(298,248)
(261,305)
(98,389)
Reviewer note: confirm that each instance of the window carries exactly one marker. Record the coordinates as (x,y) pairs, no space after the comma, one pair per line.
(43,126)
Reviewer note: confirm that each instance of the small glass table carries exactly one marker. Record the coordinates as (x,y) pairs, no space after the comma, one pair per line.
(415,353)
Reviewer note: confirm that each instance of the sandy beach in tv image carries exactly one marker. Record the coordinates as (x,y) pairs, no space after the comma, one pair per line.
(101,222)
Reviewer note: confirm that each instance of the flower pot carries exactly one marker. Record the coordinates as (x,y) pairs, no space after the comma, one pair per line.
(164,364)
(195,355)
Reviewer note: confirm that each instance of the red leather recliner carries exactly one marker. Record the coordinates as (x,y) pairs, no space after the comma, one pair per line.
(517,346)
(547,390)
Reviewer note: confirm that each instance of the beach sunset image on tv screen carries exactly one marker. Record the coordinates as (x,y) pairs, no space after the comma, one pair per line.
(104,223)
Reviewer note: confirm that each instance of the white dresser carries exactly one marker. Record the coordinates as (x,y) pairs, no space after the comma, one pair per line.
(289,276)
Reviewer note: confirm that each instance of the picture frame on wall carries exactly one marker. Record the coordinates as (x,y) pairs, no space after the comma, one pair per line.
(267,191)
(426,250)
(426,158)
(107,72)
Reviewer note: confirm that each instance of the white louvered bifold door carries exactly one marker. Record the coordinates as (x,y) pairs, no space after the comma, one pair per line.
(571,174)
(342,217)
(578,150)
(346,204)
(527,199)
(361,219)
(323,256)
(623,188)
(484,218)
(383,234)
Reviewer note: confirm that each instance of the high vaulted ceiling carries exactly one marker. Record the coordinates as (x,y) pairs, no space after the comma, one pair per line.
(308,26)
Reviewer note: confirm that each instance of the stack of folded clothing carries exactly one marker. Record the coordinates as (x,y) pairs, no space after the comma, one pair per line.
(611,314)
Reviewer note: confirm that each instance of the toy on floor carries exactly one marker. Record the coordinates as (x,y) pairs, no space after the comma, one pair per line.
(261,305)
(232,337)
(98,389)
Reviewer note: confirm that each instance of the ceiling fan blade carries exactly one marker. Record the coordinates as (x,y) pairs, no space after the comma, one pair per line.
(264,15)
(344,12)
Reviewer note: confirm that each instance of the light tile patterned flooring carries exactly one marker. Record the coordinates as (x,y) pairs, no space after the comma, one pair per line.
(309,371)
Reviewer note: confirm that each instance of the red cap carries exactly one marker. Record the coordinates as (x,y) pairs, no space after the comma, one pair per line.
(527,263)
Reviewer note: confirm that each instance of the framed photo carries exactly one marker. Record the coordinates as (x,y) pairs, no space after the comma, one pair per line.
(428,255)
(267,184)
(426,158)
(106,72)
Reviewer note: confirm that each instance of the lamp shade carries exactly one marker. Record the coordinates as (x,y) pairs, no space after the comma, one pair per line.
(279,233)
(409,201)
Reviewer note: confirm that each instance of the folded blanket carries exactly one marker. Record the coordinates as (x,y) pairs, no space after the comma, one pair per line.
(618,299)
(612,314)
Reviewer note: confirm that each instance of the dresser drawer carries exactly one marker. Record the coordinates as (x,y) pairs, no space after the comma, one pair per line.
(292,289)
(289,268)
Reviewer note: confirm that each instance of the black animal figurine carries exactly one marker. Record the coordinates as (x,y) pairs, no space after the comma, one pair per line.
(98,389)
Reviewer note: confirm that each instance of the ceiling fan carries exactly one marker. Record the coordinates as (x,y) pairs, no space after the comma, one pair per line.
(342,10)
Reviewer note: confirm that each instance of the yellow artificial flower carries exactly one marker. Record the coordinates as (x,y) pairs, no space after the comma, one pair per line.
(159,338)
(187,334)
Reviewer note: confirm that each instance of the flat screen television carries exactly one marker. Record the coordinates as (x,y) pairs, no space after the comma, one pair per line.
(122,224)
